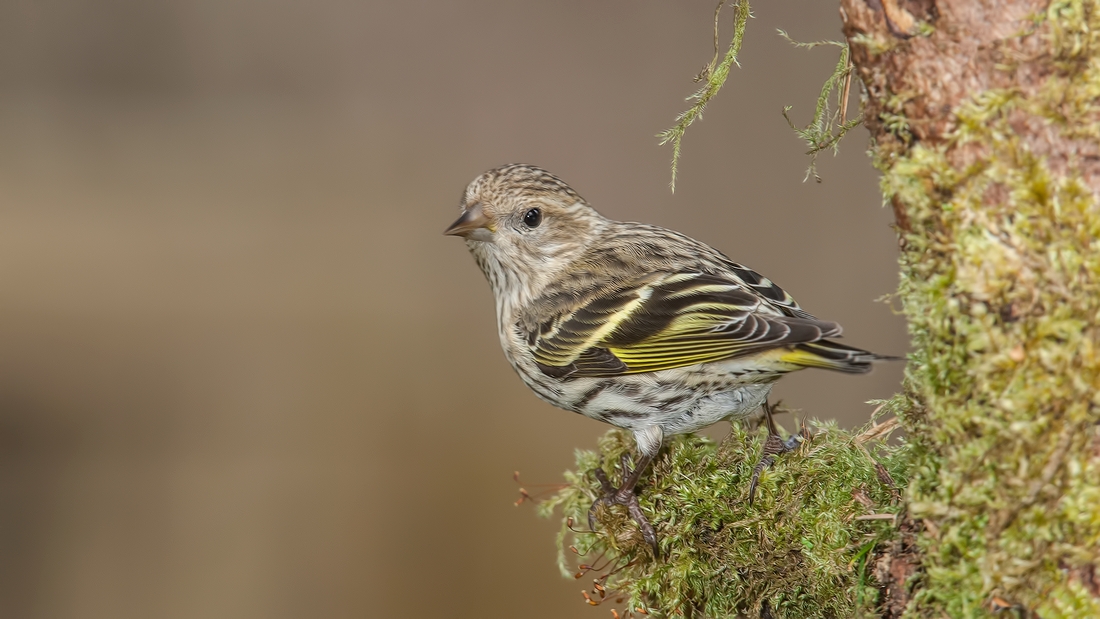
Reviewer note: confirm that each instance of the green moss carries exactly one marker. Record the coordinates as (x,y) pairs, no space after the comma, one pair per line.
(714,75)
(828,126)
(1001,285)
(801,548)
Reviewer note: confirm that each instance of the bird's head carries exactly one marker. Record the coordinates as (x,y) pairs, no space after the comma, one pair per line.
(525,221)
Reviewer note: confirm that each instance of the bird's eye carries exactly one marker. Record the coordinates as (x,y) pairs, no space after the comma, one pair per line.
(533,218)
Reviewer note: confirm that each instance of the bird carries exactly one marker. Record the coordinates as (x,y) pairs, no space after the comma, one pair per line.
(632,324)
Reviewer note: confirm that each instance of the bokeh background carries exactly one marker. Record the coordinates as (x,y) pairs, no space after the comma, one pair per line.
(242,373)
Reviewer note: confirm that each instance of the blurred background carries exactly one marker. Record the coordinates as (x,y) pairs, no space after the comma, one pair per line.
(243,374)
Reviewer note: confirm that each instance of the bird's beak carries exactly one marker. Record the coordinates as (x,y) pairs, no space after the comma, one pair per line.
(473,225)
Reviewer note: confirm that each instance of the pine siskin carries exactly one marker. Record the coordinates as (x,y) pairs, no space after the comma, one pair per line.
(631,324)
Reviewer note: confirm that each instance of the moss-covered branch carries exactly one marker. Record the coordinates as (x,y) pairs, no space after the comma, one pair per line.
(995,183)
(805,548)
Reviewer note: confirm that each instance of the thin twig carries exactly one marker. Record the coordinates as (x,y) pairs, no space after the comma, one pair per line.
(877,517)
(844,97)
(705,72)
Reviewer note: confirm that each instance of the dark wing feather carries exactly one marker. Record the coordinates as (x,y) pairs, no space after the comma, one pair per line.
(772,293)
(667,321)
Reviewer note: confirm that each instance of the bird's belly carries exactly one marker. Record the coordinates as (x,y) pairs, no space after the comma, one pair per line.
(735,403)
(639,401)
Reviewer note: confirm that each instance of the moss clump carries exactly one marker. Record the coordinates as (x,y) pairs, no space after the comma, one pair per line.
(804,549)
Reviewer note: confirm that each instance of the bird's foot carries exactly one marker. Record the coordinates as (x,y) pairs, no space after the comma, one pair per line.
(774,447)
(624,495)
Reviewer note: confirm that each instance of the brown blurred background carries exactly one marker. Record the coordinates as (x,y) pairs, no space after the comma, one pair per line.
(242,373)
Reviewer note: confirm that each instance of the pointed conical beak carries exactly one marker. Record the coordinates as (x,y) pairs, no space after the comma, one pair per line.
(472,224)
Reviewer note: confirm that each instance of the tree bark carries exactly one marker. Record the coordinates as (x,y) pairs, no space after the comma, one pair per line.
(985,119)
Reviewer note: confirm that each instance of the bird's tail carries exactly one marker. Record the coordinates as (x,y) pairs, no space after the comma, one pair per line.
(833,356)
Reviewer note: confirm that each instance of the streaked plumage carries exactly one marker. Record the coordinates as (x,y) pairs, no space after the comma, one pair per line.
(632,324)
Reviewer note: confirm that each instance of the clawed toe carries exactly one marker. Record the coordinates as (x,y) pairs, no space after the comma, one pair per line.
(624,495)
(609,491)
(774,446)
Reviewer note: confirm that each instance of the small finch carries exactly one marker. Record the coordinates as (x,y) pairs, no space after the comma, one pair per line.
(632,324)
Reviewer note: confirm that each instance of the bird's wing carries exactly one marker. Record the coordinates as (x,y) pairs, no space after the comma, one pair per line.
(771,293)
(665,321)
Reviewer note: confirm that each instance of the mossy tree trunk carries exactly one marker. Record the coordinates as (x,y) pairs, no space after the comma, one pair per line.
(985,120)
(985,117)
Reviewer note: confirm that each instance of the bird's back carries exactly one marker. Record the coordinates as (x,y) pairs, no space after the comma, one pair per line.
(627,250)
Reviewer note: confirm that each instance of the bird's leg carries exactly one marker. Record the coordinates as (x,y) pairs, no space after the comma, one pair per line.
(773,446)
(624,495)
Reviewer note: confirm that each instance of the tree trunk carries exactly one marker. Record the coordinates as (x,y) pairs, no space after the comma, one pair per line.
(985,117)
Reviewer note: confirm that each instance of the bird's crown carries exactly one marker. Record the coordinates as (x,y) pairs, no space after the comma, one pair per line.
(520,179)
(518,199)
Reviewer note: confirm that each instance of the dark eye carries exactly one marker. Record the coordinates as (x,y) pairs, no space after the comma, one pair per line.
(533,218)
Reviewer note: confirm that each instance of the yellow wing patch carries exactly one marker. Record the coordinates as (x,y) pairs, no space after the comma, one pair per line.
(674,321)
